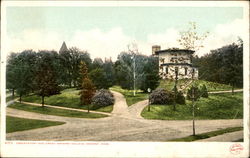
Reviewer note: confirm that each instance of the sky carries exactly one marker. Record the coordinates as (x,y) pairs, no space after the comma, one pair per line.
(107,31)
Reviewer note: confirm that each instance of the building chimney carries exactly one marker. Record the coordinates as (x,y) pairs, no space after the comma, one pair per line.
(155,48)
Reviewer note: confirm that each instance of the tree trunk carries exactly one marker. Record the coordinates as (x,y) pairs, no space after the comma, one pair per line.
(13,93)
(88,108)
(20,98)
(42,100)
(232,89)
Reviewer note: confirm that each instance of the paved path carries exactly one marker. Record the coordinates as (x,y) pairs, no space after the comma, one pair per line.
(65,108)
(125,124)
(227,137)
(228,91)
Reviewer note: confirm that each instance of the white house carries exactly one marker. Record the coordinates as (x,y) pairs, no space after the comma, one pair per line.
(175,63)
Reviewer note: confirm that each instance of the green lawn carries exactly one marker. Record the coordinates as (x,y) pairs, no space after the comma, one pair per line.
(217,106)
(211,86)
(208,134)
(53,111)
(14,124)
(129,95)
(9,98)
(68,98)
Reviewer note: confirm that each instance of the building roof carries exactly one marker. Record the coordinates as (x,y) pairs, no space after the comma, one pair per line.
(63,48)
(178,64)
(167,64)
(175,51)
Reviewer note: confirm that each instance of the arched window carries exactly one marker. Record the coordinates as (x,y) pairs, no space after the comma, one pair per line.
(166,70)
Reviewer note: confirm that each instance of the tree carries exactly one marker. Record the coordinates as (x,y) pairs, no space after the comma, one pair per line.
(98,76)
(11,76)
(223,65)
(97,63)
(108,68)
(190,39)
(66,68)
(87,88)
(151,77)
(45,76)
(20,72)
(70,61)
(123,70)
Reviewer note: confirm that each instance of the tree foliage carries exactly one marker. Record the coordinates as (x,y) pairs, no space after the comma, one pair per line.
(144,67)
(87,87)
(45,75)
(20,70)
(223,65)
(190,39)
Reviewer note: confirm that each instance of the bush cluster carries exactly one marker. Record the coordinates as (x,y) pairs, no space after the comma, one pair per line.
(180,99)
(102,98)
(161,96)
(198,92)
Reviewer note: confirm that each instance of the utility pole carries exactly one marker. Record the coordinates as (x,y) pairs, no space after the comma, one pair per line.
(193,102)
(175,87)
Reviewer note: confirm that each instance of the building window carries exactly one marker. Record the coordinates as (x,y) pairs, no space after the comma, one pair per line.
(176,70)
(186,70)
(166,70)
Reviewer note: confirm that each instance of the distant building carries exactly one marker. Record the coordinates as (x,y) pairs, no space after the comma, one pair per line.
(63,48)
(175,60)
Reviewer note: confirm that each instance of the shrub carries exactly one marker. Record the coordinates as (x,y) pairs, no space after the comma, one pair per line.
(161,96)
(204,92)
(102,98)
(180,99)
(196,93)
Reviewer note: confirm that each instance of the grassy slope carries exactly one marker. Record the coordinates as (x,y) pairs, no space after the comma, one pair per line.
(14,124)
(128,94)
(211,86)
(68,98)
(208,134)
(219,106)
(53,111)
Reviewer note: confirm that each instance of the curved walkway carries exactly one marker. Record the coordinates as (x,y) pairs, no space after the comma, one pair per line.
(66,108)
(124,124)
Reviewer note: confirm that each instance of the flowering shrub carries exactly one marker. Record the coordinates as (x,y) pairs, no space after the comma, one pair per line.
(102,98)
(161,96)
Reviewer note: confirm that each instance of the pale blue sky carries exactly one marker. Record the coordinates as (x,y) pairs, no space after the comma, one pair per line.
(106,31)
(135,21)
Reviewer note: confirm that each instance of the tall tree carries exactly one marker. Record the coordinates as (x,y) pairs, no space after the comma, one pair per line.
(98,76)
(87,87)
(152,78)
(20,72)
(109,70)
(223,65)
(97,63)
(76,57)
(11,70)
(45,77)
(190,39)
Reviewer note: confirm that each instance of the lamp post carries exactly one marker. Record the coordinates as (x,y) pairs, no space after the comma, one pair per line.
(133,58)
(149,90)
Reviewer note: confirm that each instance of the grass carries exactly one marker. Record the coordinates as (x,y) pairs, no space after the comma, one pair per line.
(128,94)
(14,124)
(68,98)
(9,98)
(53,111)
(217,106)
(211,86)
(208,134)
